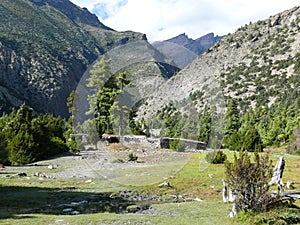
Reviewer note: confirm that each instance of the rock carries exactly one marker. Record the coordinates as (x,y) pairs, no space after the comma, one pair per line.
(22,174)
(37,174)
(179,198)
(50,167)
(43,175)
(198,200)
(133,209)
(277,21)
(165,184)
(78,203)
(88,181)
(67,210)
(137,208)
(75,213)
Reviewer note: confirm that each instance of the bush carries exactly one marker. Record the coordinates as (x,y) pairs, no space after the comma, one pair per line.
(178,146)
(216,157)
(174,144)
(249,182)
(57,146)
(132,157)
(181,146)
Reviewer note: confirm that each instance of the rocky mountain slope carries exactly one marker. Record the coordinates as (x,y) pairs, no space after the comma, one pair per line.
(146,69)
(258,65)
(183,50)
(45,47)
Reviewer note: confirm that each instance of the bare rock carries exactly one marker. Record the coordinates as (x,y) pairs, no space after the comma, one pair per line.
(165,184)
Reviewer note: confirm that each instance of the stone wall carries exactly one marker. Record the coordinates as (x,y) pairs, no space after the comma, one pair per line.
(191,144)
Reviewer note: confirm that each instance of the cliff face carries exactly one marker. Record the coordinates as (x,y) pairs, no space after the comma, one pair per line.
(45,47)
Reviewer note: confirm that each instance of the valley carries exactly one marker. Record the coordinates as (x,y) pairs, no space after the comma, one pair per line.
(75,190)
(103,127)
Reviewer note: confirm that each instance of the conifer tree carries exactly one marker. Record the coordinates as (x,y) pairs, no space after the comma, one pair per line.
(232,125)
(100,73)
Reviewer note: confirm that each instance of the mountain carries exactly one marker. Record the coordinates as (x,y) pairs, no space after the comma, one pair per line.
(45,48)
(146,69)
(183,50)
(73,12)
(258,66)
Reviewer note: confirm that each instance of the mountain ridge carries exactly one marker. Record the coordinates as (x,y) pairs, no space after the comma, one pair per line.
(44,52)
(183,50)
(246,65)
(75,13)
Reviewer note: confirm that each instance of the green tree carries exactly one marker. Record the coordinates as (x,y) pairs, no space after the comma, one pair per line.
(21,147)
(135,127)
(71,104)
(27,138)
(100,74)
(49,132)
(204,126)
(105,100)
(248,137)
(249,140)
(232,124)
(121,83)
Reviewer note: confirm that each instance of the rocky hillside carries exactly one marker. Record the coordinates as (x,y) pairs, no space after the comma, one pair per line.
(45,47)
(146,69)
(183,50)
(258,65)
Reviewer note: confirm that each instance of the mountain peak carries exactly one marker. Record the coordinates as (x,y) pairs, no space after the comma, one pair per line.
(181,39)
(183,49)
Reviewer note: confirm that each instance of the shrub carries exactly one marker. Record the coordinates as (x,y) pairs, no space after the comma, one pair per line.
(248,181)
(132,157)
(118,161)
(178,146)
(181,146)
(216,157)
(174,144)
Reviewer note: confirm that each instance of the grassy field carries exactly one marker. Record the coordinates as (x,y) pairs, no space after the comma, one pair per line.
(37,200)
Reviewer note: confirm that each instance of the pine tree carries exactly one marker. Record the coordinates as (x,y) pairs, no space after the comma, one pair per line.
(232,125)
(122,82)
(100,74)
(21,147)
(105,100)
(204,126)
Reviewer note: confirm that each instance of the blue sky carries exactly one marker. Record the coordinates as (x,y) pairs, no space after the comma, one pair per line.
(163,19)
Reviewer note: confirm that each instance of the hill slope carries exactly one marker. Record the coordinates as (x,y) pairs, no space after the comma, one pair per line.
(243,93)
(257,65)
(45,47)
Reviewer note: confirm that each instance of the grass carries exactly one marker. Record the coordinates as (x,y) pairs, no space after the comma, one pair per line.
(36,201)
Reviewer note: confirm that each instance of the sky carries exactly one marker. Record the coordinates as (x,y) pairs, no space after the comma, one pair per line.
(164,19)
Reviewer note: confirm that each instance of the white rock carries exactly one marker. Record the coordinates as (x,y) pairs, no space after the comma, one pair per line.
(198,200)
(50,167)
(67,210)
(75,213)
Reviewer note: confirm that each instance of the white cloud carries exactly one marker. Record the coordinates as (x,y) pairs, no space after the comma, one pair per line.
(163,19)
